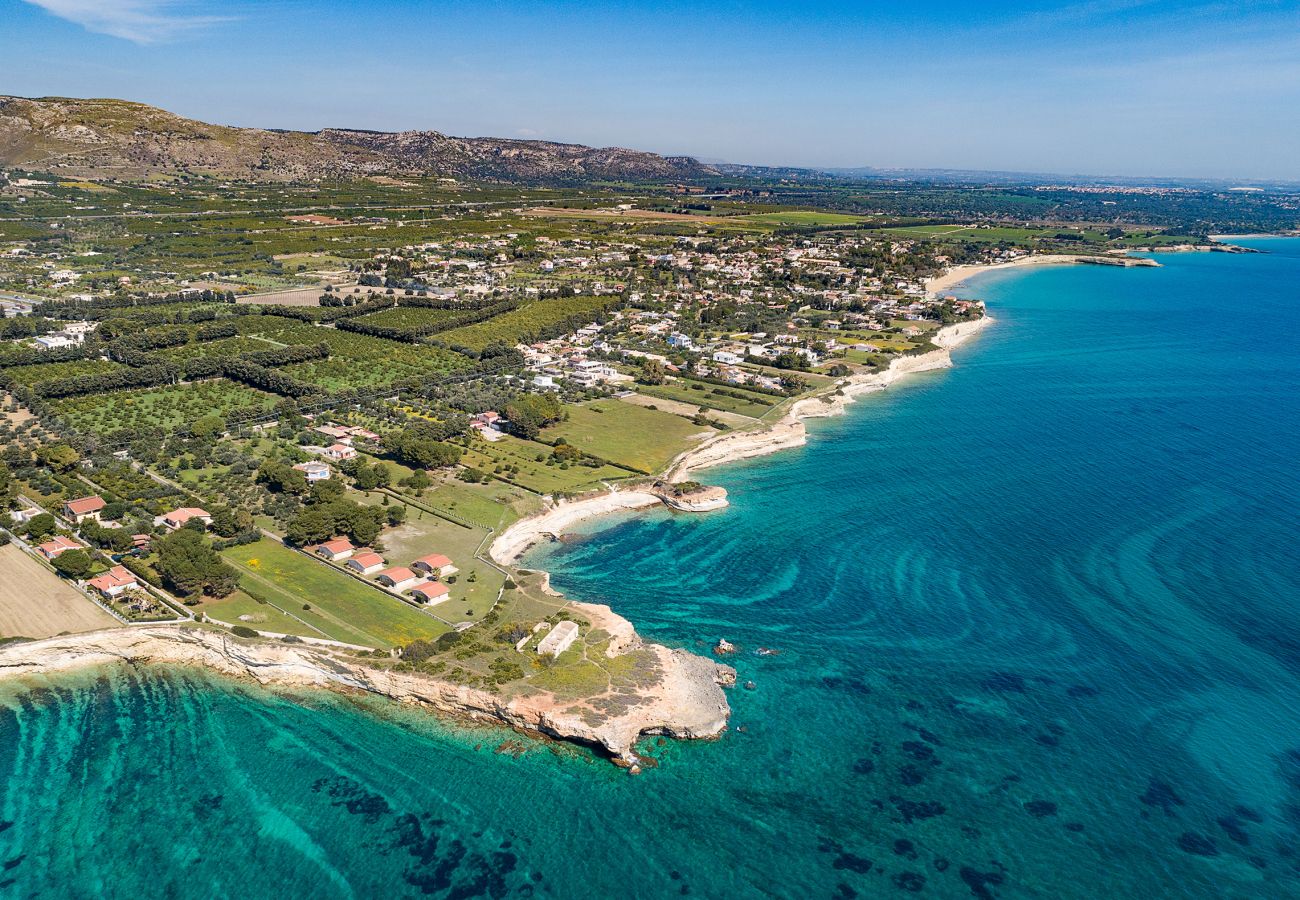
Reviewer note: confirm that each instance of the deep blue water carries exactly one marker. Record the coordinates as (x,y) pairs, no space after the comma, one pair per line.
(1037,617)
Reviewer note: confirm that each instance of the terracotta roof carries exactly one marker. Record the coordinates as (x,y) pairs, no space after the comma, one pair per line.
(83,505)
(397,574)
(58,544)
(434,561)
(338,545)
(366,559)
(118,576)
(185,513)
(432,589)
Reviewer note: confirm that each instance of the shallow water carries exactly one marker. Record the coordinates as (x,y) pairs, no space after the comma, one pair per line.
(1037,620)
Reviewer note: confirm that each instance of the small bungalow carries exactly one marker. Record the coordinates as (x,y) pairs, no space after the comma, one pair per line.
(435,565)
(178,518)
(399,578)
(431,592)
(365,561)
(83,508)
(51,549)
(340,452)
(337,549)
(114,581)
(314,471)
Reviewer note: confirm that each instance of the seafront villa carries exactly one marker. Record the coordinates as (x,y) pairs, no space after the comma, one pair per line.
(115,581)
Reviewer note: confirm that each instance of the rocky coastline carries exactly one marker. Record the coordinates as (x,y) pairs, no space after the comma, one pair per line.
(687,702)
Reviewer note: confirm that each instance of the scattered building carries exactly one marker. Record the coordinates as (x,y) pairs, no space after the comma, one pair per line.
(55,547)
(314,471)
(560,639)
(399,578)
(83,508)
(115,581)
(178,518)
(435,565)
(337,549)
(365,561)
(431,592)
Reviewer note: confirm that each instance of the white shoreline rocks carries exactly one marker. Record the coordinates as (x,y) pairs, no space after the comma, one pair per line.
(687,702)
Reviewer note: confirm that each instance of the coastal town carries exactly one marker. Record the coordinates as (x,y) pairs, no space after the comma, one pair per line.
(342,431)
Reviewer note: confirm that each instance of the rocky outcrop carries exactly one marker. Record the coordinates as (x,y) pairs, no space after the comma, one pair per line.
(702,498)
(687,701)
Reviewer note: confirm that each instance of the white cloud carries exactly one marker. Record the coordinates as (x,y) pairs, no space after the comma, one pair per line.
(140,21)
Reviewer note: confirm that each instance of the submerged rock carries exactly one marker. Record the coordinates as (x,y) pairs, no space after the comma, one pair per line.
(1197,844)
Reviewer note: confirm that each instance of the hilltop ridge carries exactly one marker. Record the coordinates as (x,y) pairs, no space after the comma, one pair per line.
(98,138)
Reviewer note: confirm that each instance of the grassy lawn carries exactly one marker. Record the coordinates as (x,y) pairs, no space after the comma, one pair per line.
(633,436)
(543,477)
(240,608)
(495,503)
(340,606)
(423,533)
(698,393)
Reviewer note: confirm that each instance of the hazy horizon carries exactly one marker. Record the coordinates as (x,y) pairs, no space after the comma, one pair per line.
(1111,88)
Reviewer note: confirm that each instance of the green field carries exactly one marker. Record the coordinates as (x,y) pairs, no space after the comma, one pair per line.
(260,616)
(172,406)
(628,435)
(524,323)
(494,457)
(425,532)
(699,393)
(800,217)
(341,606)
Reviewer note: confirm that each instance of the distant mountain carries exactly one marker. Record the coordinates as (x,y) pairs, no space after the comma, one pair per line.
(117,138)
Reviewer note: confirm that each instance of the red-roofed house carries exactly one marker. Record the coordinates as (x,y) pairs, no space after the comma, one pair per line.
(83,508)
(365,561)
(340,452)
(431,592)
(178,517)
(114,581)
(52,548)
(435,565)
(339,548)
(399,578)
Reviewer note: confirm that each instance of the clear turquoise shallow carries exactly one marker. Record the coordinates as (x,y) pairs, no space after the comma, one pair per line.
(1037,618)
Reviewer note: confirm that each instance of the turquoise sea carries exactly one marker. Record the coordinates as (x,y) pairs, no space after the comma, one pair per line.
(1039,629)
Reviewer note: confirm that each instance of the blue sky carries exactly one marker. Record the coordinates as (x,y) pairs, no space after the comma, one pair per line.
(1125,87)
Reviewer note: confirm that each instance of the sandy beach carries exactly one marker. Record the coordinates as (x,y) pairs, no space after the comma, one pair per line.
(786,432)
(957,274)
(512,542)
